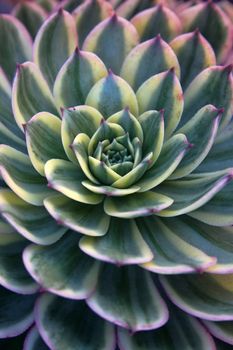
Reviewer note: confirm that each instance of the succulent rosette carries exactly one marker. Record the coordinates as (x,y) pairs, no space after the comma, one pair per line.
(116,178)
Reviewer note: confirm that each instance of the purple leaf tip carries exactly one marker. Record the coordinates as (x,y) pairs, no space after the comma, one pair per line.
(24,125)
(60,11)
(113,18)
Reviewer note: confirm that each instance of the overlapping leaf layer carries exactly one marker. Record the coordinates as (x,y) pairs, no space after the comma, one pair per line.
(116,176)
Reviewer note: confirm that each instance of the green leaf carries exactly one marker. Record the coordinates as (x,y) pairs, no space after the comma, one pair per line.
(76,78)
(21,177)
(147,59)
(221,330)
(135,174)
(112,40)
(218,211)
(16,44)
(129,8)
(112,94)
(16,312)
(194,54)
(180,332)
(33,341)
(81,119)
(217,32)
(128,297)
(62,268)
(87,219)
(55,313)
(173,252)
(193,191)
(162,91)
(157,20)
(9,138)
(108,190)
(136,205)
(220,155)
(129,249)
(128,122)
(31,15)
(30,94)
(201,131)
(67,178)
(88,15)
(207,296)
(106,131)
(212,86)
(80,148)
(171,155)
(43,136)
(47,5)
(102,172)
(152,124)
(30,221)
(54,43)
(6,115)
(13,274)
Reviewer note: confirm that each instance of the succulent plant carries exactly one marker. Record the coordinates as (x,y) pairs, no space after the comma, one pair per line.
(116,177)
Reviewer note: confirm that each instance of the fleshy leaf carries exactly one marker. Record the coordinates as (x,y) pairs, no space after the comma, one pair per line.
(194,54)
(54,43)
(53,315)
(33,341)
(201,132)
(147,59)
(112,94)
(173,253)
(220,155)
(221,330)
(212,86)
(67,178)
(157,20)
(193,191)
(6,115)
(16,313)
(213,245)
(217,32)
(62,268)
(122,245)
(171,155)
(152,123)
(162,91)
(102,172)
(16,45)
(81,119)
(80,148)
(90,14)
(76,78)
(87,219)
(21,177)
(13,274)
(109,190)
(207,296)
(136,205)
(128,297)
(112,40)
(135,174)
(30,221)
(218,211)
(31,15)
(128,122)
(180,332)
(43,136)
(31,94)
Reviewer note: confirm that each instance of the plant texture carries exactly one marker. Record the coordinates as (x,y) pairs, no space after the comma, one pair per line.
(116,164)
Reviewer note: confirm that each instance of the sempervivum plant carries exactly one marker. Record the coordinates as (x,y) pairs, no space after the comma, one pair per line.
(116,182)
